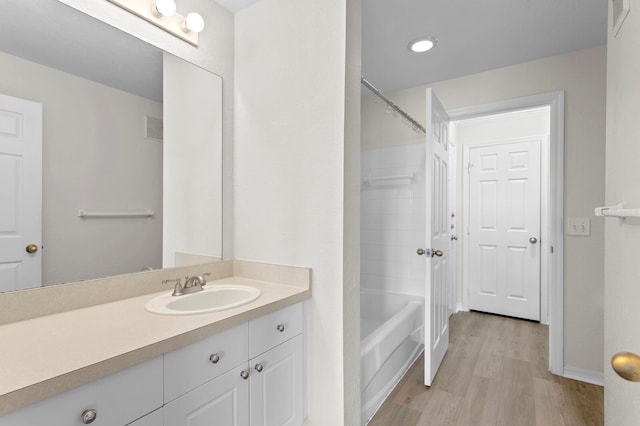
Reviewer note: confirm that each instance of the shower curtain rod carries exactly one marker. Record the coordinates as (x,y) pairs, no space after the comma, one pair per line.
(392,105)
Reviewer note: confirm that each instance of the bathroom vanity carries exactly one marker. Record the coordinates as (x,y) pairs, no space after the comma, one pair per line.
(118,364)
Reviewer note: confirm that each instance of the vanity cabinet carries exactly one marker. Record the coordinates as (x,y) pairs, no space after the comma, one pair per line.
(263,387)
(249,375)
(117,399)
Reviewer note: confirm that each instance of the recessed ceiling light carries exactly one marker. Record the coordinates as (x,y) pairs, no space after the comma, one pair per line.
(423,44)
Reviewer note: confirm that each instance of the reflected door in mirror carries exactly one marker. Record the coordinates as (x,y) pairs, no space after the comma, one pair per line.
(21,193)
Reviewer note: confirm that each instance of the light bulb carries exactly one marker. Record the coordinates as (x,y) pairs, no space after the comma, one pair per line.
(165,8)
(423,45)
(193,23)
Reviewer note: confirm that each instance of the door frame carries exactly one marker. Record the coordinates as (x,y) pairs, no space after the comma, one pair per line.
(543,285)
(555,100)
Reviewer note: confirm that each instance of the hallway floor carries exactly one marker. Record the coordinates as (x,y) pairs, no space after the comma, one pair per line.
(496,373)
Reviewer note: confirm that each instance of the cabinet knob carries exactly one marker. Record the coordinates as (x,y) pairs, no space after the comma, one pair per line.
(89,416)
(244,374)
(214,358)
(280,327)
(259,368)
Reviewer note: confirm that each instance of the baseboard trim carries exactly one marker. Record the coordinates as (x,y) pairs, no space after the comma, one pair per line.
(588,376)
(460,308)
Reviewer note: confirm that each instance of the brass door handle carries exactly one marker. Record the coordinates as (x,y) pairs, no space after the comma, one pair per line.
(420,252)
(627,365)
(438,253)
(31,248)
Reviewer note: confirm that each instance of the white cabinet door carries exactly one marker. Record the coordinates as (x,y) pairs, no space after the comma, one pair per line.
(220,402)
(276,385)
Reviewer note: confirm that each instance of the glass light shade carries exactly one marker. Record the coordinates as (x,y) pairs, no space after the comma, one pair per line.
(194,23)
(166,7)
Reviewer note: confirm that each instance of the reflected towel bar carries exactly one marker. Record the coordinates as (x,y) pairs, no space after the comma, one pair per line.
(390,180)
(617,211)
(107,215)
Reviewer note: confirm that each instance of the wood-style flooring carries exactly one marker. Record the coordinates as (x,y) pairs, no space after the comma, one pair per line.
(496,373)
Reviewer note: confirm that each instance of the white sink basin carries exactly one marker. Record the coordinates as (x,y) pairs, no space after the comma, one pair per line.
(213,298)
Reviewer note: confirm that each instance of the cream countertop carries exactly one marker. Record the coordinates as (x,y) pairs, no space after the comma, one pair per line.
(44,356)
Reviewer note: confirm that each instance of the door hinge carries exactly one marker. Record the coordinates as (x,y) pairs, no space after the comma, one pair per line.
(551,249)
(469,166)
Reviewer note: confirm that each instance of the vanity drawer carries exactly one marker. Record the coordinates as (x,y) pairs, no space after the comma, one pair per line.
(275,328)
(189,367)
(117,400)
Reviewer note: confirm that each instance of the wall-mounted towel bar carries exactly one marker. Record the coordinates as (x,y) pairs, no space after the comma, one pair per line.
(107,215)
(617,211)
(390,180)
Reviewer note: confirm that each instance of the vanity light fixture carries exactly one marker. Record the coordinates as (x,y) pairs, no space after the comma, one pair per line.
(162,13)
(423,44)
(193,23)
(164,8)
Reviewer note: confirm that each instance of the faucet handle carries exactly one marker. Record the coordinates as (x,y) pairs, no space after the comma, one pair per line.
(204,280)
(175,280)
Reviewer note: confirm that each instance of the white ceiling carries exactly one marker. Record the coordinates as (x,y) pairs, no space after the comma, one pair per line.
(473,35)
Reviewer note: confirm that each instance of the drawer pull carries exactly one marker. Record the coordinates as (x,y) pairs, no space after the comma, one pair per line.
(214,358)
(89,416)
(280,327)
(244,374)
(259,368)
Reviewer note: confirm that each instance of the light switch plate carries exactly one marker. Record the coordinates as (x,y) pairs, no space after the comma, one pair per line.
(579,226)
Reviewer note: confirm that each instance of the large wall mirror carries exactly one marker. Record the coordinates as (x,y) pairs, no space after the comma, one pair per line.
(138,150)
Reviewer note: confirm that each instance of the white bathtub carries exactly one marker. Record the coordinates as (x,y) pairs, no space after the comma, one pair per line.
(392,339)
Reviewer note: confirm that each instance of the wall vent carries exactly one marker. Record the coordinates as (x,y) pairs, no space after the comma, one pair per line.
(153,128)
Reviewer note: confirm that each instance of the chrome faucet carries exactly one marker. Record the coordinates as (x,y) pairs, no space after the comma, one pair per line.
(192,284)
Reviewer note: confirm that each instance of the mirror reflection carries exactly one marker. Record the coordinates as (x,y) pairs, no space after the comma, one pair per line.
(82,128)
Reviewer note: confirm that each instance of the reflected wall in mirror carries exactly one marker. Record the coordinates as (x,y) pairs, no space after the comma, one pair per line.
(101,147)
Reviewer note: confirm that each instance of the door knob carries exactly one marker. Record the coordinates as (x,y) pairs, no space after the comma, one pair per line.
(533,240)
(436,253)
(420,252)
(31,248)
(627,365)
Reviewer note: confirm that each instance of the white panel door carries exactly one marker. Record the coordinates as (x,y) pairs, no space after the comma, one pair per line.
(436,270)
(504,229)
(20,193)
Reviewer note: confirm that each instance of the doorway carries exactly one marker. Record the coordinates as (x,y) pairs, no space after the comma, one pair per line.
(550,240)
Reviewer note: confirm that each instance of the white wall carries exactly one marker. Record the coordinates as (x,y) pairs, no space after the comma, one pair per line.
(289,160)
(622,240)
(214,54)
(582,75)
(392,220)
(192,161)
(95,157)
